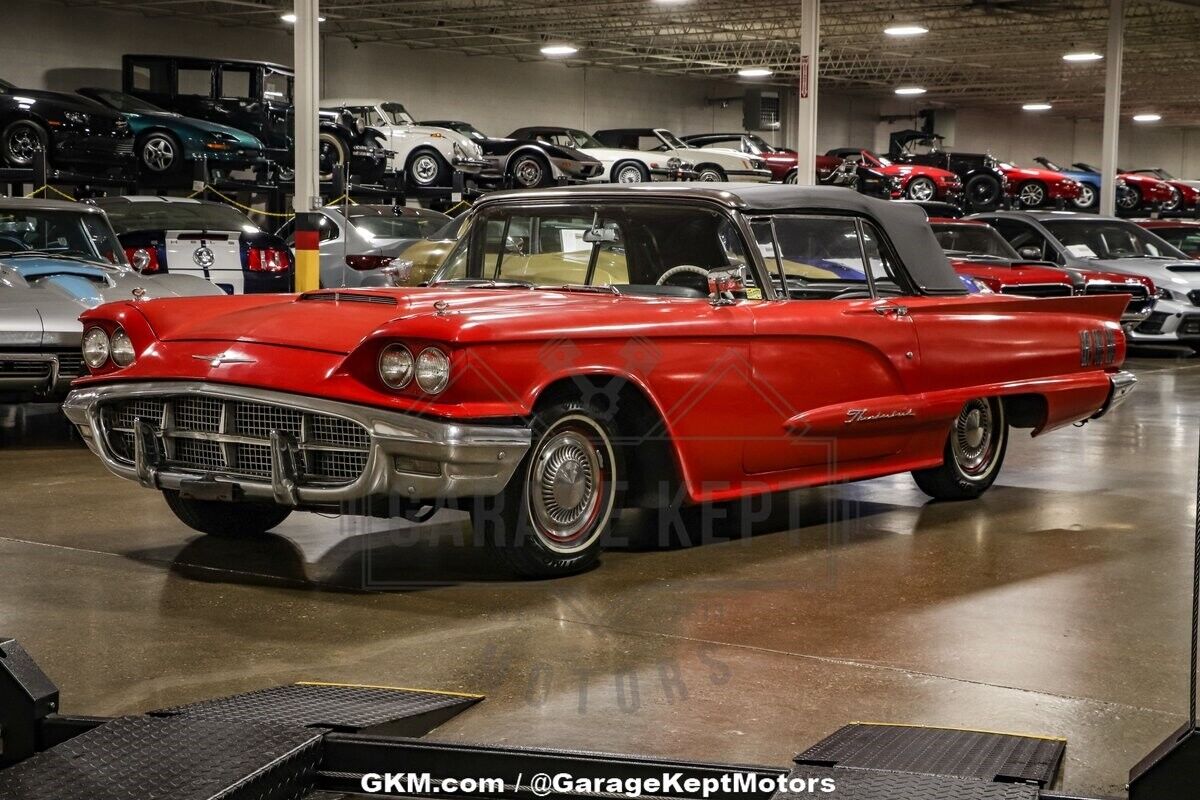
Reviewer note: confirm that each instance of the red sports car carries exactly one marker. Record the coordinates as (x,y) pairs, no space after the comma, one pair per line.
(1183,233)
(908,181)
(1185,196)
(592,348)
(977,250)
(1035,187)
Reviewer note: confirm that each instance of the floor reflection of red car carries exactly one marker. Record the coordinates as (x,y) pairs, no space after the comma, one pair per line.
(977,250)
(1183,233)
(910,181)
(1035,187)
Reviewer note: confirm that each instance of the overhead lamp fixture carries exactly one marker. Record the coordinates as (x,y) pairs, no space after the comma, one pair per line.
(1037,106)
(1147,117)
(291,18)
(1088,55)
(559,50)
(910,90)
(755,72)
(905,30)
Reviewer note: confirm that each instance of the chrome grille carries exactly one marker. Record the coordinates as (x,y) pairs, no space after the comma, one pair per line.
(17,367)
(1038,290)
(214,435)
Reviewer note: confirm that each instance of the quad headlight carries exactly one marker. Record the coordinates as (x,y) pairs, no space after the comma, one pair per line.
(396,366)
(433,370)
(121,349)
(95,347)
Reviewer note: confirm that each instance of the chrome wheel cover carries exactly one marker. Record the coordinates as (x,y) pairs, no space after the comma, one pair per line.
(1087,196)
(424,169)
(1173,203)
(158,153)
(528,172)
(570,485)
(921,189)
(22,144)
(974,439)
(710,176)
(1032,195)
(629,174)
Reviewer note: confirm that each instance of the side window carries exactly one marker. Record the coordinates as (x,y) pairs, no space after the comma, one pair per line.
(885,267)
(821,257)
(151,77)
(328,229)
(287,232)
(194,81)
(235,84)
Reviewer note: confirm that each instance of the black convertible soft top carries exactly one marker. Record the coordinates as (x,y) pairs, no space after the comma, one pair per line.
(906,226)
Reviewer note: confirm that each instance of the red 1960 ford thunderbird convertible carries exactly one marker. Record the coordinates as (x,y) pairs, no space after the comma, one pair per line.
(592,348)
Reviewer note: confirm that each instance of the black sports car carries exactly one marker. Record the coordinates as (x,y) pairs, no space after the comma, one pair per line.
(214,241)
(983,182)
(73,131)
(527,162)
(256,97)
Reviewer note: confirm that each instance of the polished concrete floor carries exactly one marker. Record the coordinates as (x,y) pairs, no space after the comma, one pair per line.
(1058,604)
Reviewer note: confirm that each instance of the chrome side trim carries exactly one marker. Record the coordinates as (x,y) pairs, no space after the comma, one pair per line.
(441,459)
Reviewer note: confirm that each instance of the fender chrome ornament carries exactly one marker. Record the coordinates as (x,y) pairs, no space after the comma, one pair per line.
(863,415)
(221,359)
(204,257)
(138,292)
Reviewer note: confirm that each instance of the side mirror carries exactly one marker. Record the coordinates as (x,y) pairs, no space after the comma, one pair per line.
(724,283)
(399,272)
(600,235)
(1031,253)
(514,245)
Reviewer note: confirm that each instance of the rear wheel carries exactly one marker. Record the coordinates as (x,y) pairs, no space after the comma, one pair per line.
(427,168)
(1173,203)
(21,140)
(226,520)
(630,172)
(552,517)
(921,188)
(530,171)
(1088,197)
(974,451)
(332,154)
(983,193)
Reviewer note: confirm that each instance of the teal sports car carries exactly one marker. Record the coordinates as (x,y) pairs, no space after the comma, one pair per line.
(165,142)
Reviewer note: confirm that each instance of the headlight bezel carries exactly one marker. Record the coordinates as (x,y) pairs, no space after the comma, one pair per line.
(442,375)
(406,379)
(120,336)
(103,359)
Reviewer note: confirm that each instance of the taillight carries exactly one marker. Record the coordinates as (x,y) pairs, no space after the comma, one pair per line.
(144,259)
(364,263)
(267,259)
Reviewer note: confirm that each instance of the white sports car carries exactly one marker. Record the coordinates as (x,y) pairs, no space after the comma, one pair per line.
(429,156)
(711,163)
(621,165)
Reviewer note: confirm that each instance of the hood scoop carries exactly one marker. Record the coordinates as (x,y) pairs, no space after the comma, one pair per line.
(1185,267)
(347,297)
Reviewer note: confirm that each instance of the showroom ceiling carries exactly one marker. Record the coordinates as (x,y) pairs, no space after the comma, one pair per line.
(998,53)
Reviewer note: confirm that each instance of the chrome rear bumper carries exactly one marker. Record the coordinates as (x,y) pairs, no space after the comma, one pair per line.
(409,457)
(1122,384)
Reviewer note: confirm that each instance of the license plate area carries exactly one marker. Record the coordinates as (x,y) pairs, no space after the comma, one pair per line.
(210,489)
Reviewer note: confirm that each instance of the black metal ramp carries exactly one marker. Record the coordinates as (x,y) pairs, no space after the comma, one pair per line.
(902,762)
(262,745)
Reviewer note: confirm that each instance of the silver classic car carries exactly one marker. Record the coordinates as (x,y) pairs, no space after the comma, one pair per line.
(58,259)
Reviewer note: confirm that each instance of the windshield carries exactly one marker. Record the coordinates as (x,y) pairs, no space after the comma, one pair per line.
(277,87)
(155,216)
(64,232)
(127,103)
(632,248)
(568,137)
(396,114)
(462,127)
(377,227)
(1109,239)
(1186,239)
(671,139)
(1048,164)
(975,240)
(760,143)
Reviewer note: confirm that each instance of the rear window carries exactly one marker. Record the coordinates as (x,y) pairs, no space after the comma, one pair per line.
(398,227)
(142,216)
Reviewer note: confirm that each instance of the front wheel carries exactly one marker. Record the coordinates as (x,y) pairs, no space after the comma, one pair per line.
(226,520)
(331,155)
(1032,194)
(1088,197)
(1172,205)
(426,169)
(710,174)
(921,188)
(974,452)
(552,517)
(160,153)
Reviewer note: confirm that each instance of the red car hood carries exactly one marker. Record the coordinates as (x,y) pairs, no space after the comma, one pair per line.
(916,169)
(1147,183)
(1032,174)
(309,322)
(1010,273)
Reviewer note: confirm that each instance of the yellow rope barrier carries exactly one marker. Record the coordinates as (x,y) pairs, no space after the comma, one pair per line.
(246,208)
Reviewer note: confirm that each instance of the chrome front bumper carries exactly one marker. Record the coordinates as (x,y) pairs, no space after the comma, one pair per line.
(409,457)
(1122,384)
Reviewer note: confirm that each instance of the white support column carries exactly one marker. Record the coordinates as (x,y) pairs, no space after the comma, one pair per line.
(1112,106)
(307,97)
(806,132)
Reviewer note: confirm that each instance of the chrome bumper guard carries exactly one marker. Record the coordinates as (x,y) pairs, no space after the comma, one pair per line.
(1122,384)
(409,456)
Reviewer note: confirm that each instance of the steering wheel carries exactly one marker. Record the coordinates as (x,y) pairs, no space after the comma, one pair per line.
(690,283)
(16,244)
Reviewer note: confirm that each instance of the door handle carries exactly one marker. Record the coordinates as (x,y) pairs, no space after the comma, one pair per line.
(899,311)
